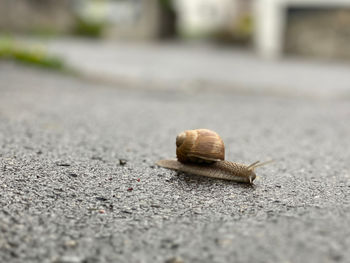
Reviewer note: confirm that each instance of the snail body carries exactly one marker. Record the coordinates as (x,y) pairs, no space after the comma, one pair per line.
(202,152)
(222,170)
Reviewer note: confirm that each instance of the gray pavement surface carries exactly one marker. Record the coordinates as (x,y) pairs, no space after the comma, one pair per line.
(193,66)
(66,196)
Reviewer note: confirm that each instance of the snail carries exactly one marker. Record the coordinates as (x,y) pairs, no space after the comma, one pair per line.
(202,152)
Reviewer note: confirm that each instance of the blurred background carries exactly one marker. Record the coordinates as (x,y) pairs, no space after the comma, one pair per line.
(237,44)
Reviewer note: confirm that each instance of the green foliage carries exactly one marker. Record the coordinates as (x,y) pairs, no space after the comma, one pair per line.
(245,26)
(84,27)
(12,50)
(167,4)
(240,34)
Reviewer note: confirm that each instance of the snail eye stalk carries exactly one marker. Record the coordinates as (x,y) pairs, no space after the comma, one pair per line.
(252,166)
(258,164)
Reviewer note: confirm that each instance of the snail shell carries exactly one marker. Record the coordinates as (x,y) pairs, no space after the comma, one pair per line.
(201,145)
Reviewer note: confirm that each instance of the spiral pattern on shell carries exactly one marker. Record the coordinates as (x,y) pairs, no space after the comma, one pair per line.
(199,145)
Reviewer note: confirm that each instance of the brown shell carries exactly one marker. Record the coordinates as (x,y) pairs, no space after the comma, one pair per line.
(199,145)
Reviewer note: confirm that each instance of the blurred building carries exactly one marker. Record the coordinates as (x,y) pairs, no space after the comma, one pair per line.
(31,16)
(135,19)
(125,19)
(318,28)
(213,18)
(318,32)
(305,27)
(120,19)
(199,17)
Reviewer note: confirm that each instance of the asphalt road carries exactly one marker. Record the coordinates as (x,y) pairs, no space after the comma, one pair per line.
(184,66)
(78,182)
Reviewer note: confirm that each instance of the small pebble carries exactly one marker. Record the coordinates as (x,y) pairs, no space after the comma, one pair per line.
(122,161)
(224,242)
(127,210)
(174,260)
(69,259)
(198,211)
(63,164)
(70,244)
(101,198)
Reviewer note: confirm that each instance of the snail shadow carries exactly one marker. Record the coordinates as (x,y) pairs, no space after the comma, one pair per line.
(195,180)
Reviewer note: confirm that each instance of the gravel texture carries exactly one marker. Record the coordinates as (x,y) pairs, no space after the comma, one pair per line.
(78,182)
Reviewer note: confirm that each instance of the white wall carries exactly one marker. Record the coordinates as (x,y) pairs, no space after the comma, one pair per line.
(204,16)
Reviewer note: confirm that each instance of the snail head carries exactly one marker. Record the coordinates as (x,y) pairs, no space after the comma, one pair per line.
(253,166)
